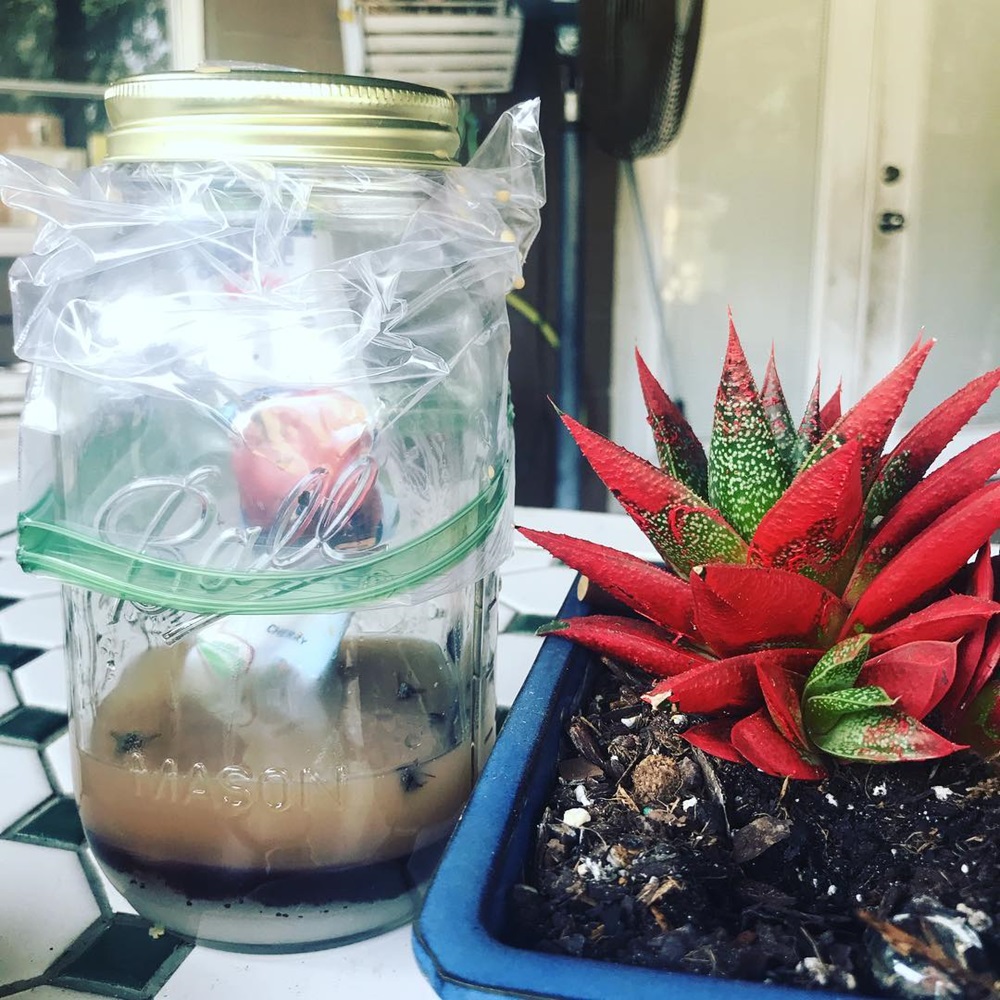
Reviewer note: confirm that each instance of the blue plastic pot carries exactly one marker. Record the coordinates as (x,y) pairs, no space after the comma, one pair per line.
(459,938)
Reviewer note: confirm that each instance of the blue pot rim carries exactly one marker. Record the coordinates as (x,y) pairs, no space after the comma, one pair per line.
(458,937)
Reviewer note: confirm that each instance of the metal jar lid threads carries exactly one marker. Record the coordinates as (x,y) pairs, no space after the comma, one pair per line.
(281,116)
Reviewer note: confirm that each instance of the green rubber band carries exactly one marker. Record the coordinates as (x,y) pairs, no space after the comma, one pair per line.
(83,561)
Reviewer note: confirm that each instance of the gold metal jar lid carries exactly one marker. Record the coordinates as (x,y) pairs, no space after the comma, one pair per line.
(224,112)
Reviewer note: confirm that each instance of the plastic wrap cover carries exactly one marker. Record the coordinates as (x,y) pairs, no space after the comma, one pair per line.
(255,383)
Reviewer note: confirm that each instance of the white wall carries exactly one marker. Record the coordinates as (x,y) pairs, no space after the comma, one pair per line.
(731,210)
(770,201)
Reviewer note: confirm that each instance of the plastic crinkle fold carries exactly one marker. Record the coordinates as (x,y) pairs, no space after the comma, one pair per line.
(271,382)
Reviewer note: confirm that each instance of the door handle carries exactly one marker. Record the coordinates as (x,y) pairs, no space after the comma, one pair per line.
(891,222)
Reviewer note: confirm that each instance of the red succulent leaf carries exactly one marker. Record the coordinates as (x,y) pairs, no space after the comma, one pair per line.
(948,619)
(916,675)
(931,559)
(772,397)
(971,650)
(970,653)
(811,430)
(714,738)
(746,473)
(884,735)
(871,419)
(758,739)
(731,683)
(981,724)
(653,592)
(913,456)
(927,501)
(677,448)
(814,528)
(676,520)
(628,640)
(782,690)
(962,580)
(989,660)
(830,413)
(983,578)
(739,607)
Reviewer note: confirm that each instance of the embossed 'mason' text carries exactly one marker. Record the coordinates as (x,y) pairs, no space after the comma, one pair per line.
(234,788)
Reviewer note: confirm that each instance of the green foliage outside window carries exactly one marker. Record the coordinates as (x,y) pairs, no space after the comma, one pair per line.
(82,41)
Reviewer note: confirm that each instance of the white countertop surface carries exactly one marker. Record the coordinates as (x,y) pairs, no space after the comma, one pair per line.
(55,901)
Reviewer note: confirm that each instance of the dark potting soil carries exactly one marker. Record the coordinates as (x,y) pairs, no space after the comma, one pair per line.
(693,863)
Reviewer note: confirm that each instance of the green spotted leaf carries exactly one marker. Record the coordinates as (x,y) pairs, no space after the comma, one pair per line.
(678,450)
(822,712)
(685,531)
(810,431)
(838,668)
(688,536)
(871,419)
(913,456)
(772,396)
(980,725)
(746,471)
(892,483)
(883,735)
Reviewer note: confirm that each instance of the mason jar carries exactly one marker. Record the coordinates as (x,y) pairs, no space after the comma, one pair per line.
(274,780)
(267,448)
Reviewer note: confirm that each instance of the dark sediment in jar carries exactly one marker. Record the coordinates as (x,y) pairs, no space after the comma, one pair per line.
(328,827)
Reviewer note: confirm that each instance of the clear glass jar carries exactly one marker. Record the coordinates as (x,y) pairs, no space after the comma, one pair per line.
(278,780)
(267,448)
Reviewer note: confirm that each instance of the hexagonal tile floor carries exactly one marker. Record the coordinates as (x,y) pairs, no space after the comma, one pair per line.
(65,932)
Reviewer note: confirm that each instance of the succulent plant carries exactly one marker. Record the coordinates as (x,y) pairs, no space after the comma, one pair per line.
(821,598)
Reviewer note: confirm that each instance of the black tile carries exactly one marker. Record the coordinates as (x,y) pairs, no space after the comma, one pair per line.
(31,725)
(528,623)
(16,656)
(120,959)
(55,824)
(502,712)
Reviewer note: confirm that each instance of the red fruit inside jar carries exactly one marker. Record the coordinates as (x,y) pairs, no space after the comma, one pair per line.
(303,462)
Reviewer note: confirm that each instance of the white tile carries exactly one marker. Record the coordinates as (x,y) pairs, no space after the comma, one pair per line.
(52,993)
(116,900)
(46,904)
(42,681)
(540,593)
(36,622)
(8,545)
(8,450)
(515,654)
(14,582)
(60,757)
(25,785)
(8,697)
(13,382)
(381,968)
(9,502)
